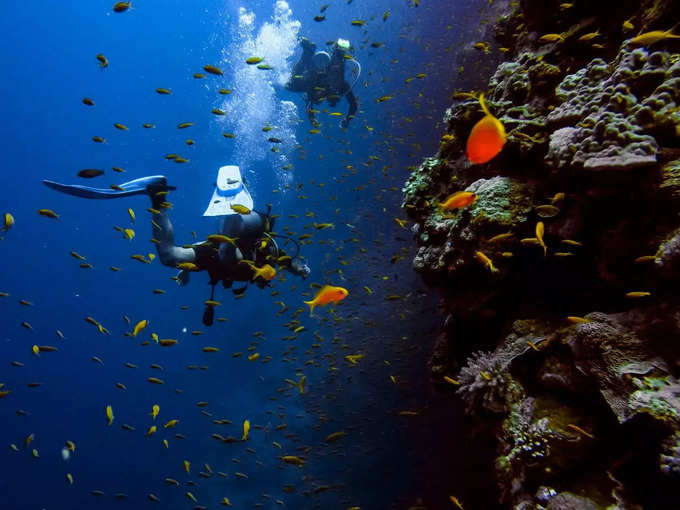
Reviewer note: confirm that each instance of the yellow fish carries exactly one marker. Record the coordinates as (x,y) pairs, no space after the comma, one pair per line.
(486,261)
(578,320)
(540,230)
(246,430)
(331,438)
(48,213)
(589,37)
(218,238)
(500,237)
(241,209)
(9,222)
(649,38)
(638,294)
(265,272)
(109,415)
(294,460)
(213,70)
(154,411)
(551,38)
(139,327)
(132,214)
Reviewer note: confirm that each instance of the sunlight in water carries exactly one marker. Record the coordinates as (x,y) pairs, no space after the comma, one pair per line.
(254,104)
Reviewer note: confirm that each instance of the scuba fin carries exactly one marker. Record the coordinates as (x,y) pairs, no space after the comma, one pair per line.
(135,187)
(209,312)
(208,315)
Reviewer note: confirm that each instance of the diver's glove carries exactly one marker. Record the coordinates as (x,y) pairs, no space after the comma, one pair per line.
(299,268)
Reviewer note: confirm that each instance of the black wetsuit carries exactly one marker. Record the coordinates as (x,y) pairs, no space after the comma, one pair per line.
(322,84)
(221,261)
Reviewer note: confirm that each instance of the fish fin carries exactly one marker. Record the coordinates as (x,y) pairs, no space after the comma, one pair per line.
(482,103)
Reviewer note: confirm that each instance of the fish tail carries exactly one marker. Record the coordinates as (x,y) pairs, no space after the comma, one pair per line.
(311,305)
(482,103)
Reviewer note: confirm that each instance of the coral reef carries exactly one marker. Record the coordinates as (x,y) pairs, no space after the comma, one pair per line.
(565,351)
(608,108)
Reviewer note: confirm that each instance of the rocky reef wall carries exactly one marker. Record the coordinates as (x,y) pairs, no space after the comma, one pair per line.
(569,356)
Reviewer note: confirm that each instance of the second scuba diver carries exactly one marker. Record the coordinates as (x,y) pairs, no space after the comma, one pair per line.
(244,250)
(324,77)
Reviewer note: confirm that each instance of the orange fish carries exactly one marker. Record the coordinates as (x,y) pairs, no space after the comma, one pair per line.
(486,138)
(327,294)
(459,199)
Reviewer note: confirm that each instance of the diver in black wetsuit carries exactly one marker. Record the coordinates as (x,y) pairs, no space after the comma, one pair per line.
(251,246)
(322,77)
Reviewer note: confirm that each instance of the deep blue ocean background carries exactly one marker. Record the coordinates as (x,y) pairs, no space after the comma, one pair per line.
(352,179)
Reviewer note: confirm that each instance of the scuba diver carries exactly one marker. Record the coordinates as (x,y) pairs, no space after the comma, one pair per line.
(245,250)
(325,77)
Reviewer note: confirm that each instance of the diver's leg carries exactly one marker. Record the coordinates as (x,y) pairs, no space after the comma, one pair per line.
(162,231)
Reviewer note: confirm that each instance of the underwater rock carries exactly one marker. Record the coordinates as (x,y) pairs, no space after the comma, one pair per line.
(613,111)
(598,149)
(610,350)
(570,501)
(667,258)
(542,384)
(669,459)
(486,384)
(559,373)
(535,438)
(658,397)
(448,240)
(440,357)
(670,179)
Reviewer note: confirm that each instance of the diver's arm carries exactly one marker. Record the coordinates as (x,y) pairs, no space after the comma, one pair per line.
(353,105)
(299,268)
(161,229)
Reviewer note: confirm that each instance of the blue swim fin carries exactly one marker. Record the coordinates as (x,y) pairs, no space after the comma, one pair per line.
(139,186)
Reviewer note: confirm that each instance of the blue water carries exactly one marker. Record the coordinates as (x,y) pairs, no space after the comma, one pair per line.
(349,178)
